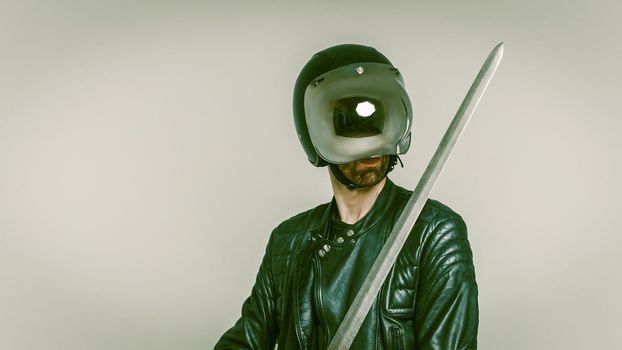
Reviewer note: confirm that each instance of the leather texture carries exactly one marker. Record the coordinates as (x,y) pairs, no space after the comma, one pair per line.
(429,300)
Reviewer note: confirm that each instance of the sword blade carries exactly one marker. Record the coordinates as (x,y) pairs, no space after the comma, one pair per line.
(386,258)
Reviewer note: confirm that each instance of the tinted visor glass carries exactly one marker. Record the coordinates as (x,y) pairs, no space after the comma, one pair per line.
(358,111)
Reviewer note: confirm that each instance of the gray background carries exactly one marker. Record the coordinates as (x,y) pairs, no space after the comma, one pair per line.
(147,150)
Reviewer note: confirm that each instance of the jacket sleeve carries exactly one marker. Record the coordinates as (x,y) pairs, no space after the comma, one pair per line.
(446,309)
(257,327)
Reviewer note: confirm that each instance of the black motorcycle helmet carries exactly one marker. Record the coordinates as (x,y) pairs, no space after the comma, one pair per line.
(331,67)
(350,103)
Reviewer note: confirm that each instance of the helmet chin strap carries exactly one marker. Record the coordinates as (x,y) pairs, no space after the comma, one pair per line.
(351,185)
(342,178)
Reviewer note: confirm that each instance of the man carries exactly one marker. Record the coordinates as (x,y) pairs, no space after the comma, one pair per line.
(353,114)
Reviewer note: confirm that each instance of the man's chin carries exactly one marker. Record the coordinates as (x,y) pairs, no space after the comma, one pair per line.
(369,179)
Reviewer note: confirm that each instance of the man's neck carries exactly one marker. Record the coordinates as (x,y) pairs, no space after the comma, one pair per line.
(354,204)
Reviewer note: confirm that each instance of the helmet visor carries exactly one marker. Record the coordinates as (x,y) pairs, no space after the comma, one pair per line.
(358,111)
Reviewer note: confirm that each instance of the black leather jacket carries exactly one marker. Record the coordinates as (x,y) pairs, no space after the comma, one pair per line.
(429,300)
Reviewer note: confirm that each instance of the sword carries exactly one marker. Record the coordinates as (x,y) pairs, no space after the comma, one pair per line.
(361,304)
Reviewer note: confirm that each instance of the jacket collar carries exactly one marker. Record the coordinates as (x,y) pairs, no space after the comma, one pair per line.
(378,210)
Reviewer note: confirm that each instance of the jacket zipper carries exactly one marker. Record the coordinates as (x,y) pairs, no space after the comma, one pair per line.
(396,336)
(318,295)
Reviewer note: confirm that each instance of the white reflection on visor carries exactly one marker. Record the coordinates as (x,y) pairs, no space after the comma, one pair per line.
(365,109)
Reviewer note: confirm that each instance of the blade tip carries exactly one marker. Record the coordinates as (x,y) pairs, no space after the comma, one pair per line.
(498,50)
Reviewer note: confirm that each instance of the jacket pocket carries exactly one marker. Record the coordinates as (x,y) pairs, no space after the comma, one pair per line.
(399,297)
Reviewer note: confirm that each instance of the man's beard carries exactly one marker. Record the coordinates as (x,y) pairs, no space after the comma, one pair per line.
(365,175)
